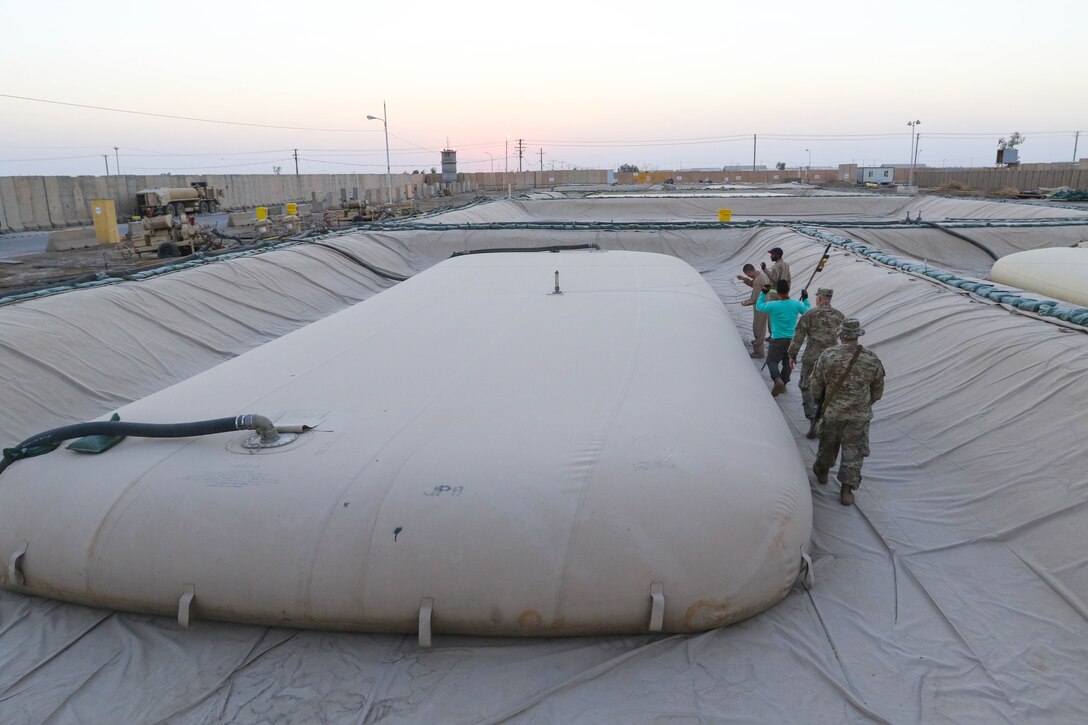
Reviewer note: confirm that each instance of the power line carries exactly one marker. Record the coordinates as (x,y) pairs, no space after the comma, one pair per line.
(184,118)
(410,143)
(350,152)
(979,134)
(635,144)
(20,146)
(345,163)
(150,152)
(51,158)
(198,168)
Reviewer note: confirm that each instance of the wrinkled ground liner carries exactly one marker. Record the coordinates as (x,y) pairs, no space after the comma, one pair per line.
(954,590)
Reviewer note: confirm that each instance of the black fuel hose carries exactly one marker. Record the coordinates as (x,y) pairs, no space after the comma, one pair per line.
(142,430)
(362,263)
(964,237)
(552,248)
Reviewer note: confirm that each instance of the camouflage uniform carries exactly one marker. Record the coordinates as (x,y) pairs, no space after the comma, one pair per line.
(821,326)
(845,421)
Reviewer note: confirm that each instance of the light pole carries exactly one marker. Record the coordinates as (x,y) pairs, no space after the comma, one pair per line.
(388,172)
(809,165)
(117,166)
(912,125)
(492,157)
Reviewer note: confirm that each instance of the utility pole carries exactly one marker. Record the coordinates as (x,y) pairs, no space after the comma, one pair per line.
(117,157)
(106,158)
(1076,138)
(542,160)
(753,152)
(296,162)
(521,152)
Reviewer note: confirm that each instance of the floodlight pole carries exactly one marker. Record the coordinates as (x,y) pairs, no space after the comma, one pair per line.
(388,171)
(913,152)
(117,157)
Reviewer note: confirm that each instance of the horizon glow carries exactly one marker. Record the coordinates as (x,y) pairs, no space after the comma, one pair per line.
(593,85)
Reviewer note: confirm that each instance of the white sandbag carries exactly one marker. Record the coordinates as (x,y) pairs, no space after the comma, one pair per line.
(510,460)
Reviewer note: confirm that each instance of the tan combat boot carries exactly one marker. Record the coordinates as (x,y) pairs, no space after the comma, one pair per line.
(811,429)
(821,476)
(846,495)
(779,387)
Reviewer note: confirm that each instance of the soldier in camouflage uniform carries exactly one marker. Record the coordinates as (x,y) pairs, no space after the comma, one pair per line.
(820,326)
(847,380)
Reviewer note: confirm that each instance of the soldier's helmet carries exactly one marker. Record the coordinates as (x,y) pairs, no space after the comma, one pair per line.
(851,328)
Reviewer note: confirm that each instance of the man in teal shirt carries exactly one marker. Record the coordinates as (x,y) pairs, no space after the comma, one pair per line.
(784,313)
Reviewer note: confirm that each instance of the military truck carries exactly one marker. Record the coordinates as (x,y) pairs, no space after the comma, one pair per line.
(197,198)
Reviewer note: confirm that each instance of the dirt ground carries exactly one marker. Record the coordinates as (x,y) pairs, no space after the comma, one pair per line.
(43,269)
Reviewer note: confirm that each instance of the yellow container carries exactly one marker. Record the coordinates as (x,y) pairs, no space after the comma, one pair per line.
(292,208)
(262,212)
(104,214)
(725,215)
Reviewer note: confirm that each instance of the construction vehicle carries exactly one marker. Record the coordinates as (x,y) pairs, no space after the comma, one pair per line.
(198,197)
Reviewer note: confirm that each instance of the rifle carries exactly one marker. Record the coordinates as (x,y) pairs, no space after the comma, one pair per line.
(819,265)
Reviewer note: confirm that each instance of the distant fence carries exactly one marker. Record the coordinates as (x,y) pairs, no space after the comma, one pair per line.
(995,179)
(759,176)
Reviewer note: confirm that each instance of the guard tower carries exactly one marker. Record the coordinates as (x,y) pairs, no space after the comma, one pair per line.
(449,166)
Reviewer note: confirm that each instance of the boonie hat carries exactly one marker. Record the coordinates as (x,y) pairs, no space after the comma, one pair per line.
(851,327)
(775,249)
(825,292)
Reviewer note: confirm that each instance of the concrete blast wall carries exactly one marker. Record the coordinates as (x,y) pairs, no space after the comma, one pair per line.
(53,202)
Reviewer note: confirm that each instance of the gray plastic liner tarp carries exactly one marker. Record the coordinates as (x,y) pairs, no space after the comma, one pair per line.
(955,590)
(947,251)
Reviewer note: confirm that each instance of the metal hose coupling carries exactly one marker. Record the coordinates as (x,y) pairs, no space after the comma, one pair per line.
(268,436)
